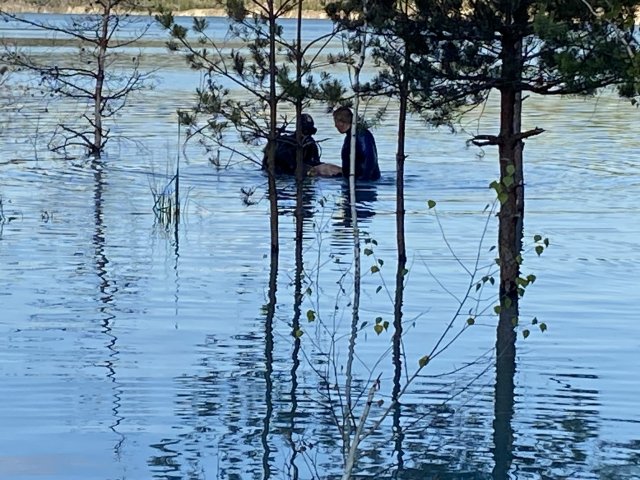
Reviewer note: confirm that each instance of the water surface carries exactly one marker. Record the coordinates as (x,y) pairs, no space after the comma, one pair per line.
(129,350)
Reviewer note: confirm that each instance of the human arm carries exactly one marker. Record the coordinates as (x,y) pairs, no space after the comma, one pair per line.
(325,170)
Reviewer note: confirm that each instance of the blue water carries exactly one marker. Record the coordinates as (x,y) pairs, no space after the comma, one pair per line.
(128,350)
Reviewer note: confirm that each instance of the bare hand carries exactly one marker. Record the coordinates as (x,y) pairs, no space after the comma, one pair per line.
(325,170)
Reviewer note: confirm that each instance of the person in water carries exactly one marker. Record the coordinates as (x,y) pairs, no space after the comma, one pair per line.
(366,152)
(285,154)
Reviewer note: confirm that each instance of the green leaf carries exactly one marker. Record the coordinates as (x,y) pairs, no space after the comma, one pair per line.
(508,181)
(546,242)
(423,361)
(404,272)
(374,269)
(470,321)
(378,328)
(385,324)
(368,251)
(525,333)
(539,249)
(431,204)
(298,333)
(506,302)
(502,197)
(537,238)
(543,327)
(379,288)
(381,262)
(311,315)
(511,169)
(534,321)
(514,321)
(497,309)
(378,319)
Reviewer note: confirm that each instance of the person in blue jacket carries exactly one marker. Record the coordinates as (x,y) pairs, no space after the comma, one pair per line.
(366,153)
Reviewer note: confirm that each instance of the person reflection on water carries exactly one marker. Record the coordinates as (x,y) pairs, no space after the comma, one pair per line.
(285,154)
(366,195)
(366,164)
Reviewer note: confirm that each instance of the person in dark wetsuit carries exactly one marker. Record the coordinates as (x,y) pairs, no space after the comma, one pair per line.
(285,155)
(366,152)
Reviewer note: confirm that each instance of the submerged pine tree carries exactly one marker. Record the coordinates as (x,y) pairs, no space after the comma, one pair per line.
(99,80)
(453,53)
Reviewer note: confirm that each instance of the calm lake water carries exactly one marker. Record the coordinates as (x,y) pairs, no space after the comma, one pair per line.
(133,351)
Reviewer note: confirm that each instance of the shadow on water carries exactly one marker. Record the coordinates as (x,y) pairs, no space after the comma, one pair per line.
(106,299)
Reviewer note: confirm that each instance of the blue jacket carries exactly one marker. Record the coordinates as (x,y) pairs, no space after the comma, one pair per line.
(366,156)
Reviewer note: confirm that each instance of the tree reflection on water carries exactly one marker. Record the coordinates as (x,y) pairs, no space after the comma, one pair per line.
(268,408)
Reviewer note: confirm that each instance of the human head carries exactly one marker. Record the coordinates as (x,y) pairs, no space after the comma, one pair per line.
(342,118)
(306,124)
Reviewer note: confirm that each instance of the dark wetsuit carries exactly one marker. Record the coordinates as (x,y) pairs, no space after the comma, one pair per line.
(366,156)
(285,158)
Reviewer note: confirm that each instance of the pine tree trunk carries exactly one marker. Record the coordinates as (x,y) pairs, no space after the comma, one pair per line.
(273,118)
(509,236)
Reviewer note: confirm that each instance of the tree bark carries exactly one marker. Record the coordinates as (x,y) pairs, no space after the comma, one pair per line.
(103,45)
(273,118)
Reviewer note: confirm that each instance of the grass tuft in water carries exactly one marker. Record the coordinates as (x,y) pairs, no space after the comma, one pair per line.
(166,202)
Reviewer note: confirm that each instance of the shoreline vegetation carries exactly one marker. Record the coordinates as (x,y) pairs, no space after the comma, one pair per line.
(179,8)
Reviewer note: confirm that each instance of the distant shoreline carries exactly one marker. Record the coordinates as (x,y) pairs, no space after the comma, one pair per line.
(22,7)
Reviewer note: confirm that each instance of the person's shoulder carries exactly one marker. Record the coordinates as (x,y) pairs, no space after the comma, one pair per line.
(367,135)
